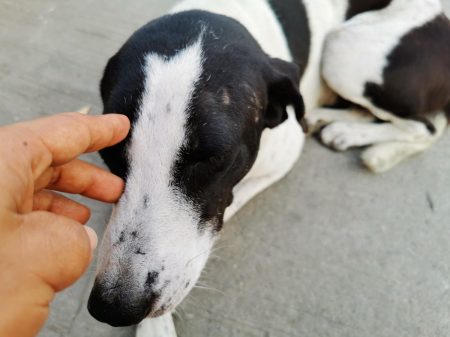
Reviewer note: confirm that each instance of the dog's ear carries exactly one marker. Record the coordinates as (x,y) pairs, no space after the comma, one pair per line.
(282,85)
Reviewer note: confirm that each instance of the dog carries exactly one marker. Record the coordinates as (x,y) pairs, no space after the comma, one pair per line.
(212,92)
(395,62)
(212,125)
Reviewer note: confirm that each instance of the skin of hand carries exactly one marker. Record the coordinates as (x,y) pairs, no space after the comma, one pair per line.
(44,246)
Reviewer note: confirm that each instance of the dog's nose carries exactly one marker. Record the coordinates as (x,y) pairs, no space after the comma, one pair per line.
(115,311)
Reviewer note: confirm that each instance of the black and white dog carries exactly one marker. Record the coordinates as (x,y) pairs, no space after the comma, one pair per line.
(212,94)
(208,100)
(395,62)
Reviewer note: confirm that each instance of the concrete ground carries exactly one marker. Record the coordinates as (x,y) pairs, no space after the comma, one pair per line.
(331,250)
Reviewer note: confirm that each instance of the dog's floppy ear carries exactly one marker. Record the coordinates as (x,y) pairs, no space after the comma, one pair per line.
(282,85)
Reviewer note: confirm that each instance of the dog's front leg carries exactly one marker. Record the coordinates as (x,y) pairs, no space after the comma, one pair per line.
(320,117)
(382,157)
(341,136)
(157,327)
(247,190)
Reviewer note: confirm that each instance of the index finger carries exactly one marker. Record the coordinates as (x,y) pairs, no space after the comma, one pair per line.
(58,139)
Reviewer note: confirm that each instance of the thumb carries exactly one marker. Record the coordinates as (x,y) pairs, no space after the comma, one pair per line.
(45,254)
(56,249)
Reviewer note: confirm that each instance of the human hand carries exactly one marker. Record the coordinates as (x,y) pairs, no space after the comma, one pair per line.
(43,246)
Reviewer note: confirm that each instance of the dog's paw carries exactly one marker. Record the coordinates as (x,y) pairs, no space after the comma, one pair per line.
(378,160)
(383,157)
(339,136)
(315,122)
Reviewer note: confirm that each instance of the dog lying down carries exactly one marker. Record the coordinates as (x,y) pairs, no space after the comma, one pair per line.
(395,62)
(216,118)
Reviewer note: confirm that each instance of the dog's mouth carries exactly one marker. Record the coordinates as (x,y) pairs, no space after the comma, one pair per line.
(160,312)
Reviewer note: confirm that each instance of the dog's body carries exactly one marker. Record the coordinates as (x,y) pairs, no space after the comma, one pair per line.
(394,62)
(207,97)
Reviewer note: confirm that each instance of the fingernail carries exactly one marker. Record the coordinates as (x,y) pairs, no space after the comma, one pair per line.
(92,236)
(123,120)
(84,110)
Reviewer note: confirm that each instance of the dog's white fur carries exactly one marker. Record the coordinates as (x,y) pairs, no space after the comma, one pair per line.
(323,16)
(344,135)
(372,36)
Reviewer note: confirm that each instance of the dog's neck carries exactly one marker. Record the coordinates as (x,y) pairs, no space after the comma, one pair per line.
(340,7)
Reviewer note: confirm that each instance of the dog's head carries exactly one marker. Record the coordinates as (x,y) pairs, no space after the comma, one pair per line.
(199,92)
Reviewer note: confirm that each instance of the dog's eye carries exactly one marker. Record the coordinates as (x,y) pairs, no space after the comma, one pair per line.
(209,164)
(217,162)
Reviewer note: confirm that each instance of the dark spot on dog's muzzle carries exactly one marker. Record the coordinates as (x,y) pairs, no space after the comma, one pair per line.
(152,278)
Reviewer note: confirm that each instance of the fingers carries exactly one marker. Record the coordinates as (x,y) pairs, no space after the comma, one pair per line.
(23,295)
(56,249)
(58,139)
(58,204)
(46,253)
(79,177)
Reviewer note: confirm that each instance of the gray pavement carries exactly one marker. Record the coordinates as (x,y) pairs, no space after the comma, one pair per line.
(331,250)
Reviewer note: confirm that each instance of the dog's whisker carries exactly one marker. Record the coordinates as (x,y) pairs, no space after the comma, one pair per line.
(208,288)
(209,251)
(190,298)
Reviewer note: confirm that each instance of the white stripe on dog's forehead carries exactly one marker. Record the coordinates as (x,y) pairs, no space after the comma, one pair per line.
(160,128)
(157,137)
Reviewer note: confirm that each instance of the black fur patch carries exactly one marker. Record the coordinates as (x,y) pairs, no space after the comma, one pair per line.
(294,20)
(152,278)
(359,6)
(416,80)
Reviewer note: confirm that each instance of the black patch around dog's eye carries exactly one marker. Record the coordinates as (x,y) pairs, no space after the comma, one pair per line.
(217,162)
(152,277)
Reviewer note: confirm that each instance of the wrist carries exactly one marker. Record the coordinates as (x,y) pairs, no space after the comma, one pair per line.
(25,298)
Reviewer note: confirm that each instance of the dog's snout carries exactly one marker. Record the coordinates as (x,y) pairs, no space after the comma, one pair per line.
(116,308)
